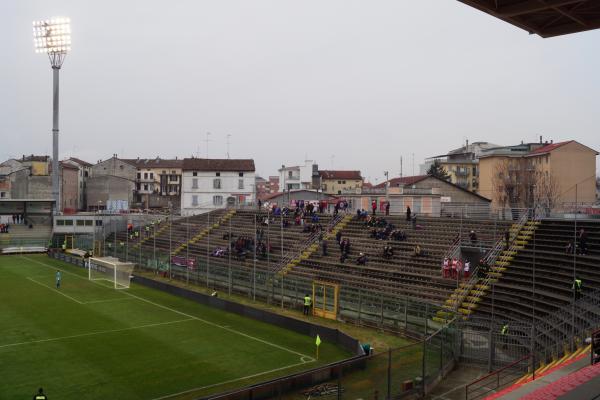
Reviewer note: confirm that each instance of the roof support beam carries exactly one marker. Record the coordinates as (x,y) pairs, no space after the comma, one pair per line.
(530,6)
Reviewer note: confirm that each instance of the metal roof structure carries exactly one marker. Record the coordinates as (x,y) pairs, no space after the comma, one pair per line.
(546,18)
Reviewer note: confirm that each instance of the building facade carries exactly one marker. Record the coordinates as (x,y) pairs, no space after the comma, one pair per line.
(158,181)
(546,174)
(296,177)
(462,164)
(69,187)
(208,184)
(338,182)
(111,185)
(84,172)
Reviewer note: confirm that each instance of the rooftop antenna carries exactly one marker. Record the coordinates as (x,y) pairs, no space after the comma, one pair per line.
(228,136)
(400,166)
(413,164)
(207,140)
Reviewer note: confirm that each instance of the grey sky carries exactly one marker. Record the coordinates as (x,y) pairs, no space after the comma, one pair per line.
(364,81)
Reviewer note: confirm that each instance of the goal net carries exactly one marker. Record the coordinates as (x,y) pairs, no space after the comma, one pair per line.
(110,269)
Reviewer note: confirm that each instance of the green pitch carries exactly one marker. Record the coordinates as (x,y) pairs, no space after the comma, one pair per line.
(88,340)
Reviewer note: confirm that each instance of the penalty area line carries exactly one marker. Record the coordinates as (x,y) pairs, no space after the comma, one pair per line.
(55,290)
(95,333)
(191,316)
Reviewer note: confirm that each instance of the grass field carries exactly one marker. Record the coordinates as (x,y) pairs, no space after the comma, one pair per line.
(88,340)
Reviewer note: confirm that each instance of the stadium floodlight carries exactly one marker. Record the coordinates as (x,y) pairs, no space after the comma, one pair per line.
(53,37)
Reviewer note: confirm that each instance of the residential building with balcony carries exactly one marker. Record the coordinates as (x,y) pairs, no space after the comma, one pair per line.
(336,182)
(158,181)
(208,184)
(461,164)
(296,177)
(545,174)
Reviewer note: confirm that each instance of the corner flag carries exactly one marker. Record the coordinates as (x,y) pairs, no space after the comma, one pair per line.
(318,343)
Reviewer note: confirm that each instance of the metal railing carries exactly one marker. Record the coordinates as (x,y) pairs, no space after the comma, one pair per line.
(498,379)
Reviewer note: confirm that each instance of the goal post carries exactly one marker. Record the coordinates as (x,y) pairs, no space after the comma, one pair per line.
(110,269)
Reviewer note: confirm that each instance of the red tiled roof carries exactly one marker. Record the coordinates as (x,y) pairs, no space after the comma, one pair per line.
(351,175)
(210,164)
(548,148)
(402,181)
(67,165)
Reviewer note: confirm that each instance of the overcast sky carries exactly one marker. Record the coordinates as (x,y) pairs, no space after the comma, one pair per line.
(349,84)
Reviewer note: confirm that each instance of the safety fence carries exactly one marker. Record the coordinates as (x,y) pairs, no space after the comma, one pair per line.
(497,380)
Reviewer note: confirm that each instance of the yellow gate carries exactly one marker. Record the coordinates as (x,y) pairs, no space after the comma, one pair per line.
(325,299)
(69,241)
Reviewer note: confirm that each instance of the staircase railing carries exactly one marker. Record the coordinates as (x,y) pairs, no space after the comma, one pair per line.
(490,258)
(300,247)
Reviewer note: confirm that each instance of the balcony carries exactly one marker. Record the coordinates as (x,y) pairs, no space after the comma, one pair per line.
(461,172)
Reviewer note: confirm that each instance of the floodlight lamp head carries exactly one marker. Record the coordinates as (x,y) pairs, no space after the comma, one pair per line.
(53,37)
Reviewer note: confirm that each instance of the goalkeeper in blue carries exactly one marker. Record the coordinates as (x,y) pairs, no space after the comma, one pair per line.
(58,276)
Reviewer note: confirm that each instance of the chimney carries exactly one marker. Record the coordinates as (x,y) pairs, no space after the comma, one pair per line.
(467,145)
(551,141)
(540,139)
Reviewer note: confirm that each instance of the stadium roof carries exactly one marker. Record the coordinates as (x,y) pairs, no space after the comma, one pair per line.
(546,18)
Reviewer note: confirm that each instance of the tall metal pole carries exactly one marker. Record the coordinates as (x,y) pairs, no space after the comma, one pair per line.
(574,271)
(207,247)
(170,241)
(187,250)
(55,171)
(229,255)
(254,265)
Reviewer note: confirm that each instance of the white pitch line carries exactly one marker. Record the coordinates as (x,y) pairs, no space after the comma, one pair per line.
(107,300)
(94,333)
(230,381)
(190,316)
(56,290)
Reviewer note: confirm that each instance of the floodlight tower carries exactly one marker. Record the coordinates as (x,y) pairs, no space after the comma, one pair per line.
(53,37)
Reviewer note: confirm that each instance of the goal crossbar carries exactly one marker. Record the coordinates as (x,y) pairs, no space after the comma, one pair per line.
(110,269)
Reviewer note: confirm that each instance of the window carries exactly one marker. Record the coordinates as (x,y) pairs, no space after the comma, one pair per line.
(218,174)
(139,175)
(89,222)
(194,200)
(241,174)
(194,173)
(137,186)
(164,172)
(98,222)
(146,187)
(216,184)
(2,194)
(151,175)
(80,222)
(145,175)
(240,184)
(60,222)
(217,200)
(195,183)
(343,182)
(85,174)
(289,174)
(339,182)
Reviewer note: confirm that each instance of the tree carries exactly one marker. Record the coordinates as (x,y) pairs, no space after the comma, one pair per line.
(437,170)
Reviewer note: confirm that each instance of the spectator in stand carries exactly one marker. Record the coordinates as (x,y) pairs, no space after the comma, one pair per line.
(387,208)
(569,248)
(338,237)
(417,251)
(473,237)
(467,269)
(446,268)
(388,252)
(362,259)
(454,268)
(414,221)
(459,268)
(374,206)
(582,241)
(408,213)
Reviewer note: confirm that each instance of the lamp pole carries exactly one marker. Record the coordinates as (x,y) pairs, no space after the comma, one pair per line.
(53,37)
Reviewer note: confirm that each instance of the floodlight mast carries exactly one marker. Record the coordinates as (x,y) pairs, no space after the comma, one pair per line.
(53,37)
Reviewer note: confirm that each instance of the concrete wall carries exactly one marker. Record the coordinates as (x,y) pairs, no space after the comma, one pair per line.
(115,167)
(574,164)
(69,196)
(455,195)
(338,186)
(24,186)
(105,188)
